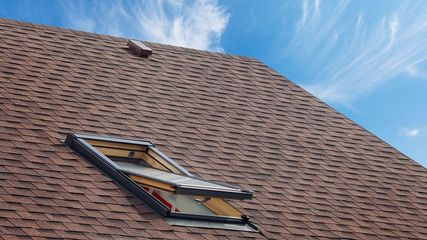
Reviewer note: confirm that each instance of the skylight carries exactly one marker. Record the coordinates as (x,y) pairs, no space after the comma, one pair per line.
(163,184)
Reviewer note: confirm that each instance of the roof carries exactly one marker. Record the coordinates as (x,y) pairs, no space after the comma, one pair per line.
(232,119)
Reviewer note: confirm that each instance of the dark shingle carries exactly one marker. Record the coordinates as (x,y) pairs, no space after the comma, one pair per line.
(315,173)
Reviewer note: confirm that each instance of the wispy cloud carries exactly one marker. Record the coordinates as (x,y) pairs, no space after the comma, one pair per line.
(304,9)
(197,25)
(345,58)
(194,24)
(411,132)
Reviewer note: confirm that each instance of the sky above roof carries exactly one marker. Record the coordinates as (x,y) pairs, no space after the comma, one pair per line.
(367,59)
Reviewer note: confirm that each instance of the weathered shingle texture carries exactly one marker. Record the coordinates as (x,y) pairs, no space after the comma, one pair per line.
(315,173)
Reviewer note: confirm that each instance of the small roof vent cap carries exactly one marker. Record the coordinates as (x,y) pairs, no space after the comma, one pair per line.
(139,48)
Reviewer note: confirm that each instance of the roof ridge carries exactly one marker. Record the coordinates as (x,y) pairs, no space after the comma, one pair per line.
(39,26)
(106,37)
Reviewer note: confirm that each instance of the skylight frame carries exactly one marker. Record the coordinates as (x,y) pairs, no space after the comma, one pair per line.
(129,141)
(222,191)
(78,143)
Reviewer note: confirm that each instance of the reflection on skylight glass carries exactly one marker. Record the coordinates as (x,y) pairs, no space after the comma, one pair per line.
(183,203)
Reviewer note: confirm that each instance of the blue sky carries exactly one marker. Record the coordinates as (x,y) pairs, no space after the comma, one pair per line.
(367,59)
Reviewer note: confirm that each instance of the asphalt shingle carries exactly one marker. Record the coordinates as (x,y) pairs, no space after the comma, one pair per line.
(316,174)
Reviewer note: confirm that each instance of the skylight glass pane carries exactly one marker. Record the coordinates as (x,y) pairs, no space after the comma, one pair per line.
(183,184)
(184,203)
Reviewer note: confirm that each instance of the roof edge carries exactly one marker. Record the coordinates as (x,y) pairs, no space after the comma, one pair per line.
(105,37)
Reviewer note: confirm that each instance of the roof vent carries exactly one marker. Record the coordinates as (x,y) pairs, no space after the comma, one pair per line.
(139,48)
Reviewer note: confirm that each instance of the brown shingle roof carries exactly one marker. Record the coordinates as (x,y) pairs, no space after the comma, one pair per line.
(315,173)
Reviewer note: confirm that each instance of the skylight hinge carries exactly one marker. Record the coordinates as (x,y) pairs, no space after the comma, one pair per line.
(139,48)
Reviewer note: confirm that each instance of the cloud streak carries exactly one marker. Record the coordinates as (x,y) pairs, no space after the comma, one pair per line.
(195,24)
(413,132)
(345,58)
(198,25)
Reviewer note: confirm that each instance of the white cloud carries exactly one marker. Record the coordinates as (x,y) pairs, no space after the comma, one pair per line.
(413,70)
(394,25)
(198,25)
(304,9)
(412,132)
(344,57)
(316,6)
(193,24)
(360,20)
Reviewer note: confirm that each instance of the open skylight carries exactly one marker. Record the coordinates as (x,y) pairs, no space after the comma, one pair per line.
(163,184)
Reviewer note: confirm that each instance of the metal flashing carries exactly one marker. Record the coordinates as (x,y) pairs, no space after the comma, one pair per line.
(213,225)
(209,218)
(114,139)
